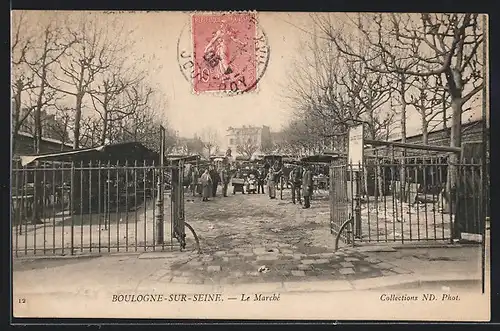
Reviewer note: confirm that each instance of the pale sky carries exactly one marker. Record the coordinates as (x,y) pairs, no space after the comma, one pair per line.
(189,113)
(157,33)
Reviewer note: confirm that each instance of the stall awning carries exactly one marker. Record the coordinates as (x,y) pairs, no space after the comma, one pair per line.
(217,158)
(185,158)
(288,159)
(321,158)
(113,153)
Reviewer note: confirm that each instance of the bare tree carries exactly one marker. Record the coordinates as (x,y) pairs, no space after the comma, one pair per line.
(98,46)
(429,103)
(217,149)
(119,92)
(22,77)
(267,145)
(60,125)
(41,57)
(442,45)
(299,137)
(143,125)
(333,90)
(91,132)
(247,147)
(438,45)
(368,45)
(312,89)
(117,101)
(210,140)
(193,145)
(182,146)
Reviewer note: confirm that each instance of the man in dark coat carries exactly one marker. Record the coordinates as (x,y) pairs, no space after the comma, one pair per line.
(225,178)
(215,180)
(271,183)
(295,180)
(261,178)
(194,180)
(307,187)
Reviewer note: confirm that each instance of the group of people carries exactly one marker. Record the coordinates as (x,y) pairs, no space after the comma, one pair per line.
(301,179)
(207,181)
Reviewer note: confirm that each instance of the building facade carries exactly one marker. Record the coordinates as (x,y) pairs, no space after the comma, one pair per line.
(53,127)
(25,145)
(471,132)
(278,138)
(258,136)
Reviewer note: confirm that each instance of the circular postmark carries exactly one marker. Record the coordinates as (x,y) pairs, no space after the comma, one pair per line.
(223,53)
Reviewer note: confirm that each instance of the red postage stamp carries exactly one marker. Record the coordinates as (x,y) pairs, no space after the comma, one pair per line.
(224,52)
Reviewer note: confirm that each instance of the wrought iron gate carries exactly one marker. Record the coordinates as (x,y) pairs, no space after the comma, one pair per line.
(61,208)
(177,204)
(340,208)
(371,205)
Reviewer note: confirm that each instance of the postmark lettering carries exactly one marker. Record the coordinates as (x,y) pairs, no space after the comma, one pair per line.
(223,53)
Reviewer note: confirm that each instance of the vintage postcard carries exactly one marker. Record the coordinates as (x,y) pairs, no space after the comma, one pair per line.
(250,165)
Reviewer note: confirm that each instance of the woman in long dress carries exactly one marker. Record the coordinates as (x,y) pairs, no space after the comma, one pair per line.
(206,184)
(271,184)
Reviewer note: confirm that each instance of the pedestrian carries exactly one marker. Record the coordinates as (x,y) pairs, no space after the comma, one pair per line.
(278,176)
(307,187)
(295,180)
(261,178)
(206,182)
(225,179)
(194,180)
(271,183)
(215,180)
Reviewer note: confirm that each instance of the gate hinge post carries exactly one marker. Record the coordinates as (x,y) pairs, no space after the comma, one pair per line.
(159,213)
(357,206)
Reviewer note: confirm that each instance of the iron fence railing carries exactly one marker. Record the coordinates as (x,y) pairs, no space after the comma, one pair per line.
(70,208)
(424,199)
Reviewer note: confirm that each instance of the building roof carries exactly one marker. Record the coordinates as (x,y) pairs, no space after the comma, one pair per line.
(49,140)
(465,126)
(247,129)
(185,158)
(113,153)
(320,158)
(216,157)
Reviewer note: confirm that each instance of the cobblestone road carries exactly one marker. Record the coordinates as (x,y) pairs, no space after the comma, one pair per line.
(241,234)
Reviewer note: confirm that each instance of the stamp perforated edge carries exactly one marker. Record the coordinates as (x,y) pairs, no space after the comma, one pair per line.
(188,27)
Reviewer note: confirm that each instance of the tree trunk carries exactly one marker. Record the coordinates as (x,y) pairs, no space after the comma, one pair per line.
(366,169)
(38,185)
(38,115)
(104,132)
(445,127)
(78,116)
(381,171)
(17,114)
(452,173)
(425,128)
(455,141)
(402,171)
